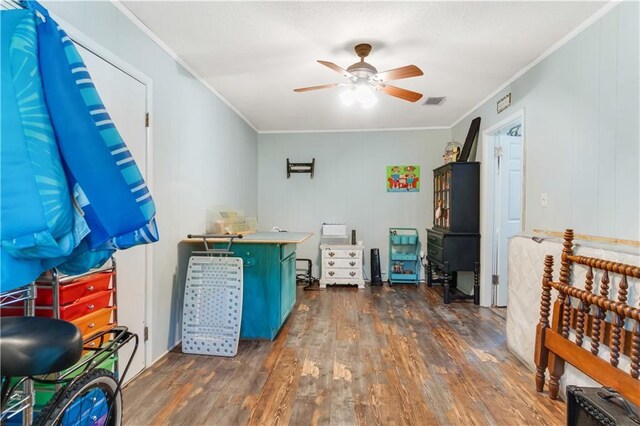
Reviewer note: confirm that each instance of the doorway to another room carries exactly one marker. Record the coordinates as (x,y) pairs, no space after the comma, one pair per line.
(503,189)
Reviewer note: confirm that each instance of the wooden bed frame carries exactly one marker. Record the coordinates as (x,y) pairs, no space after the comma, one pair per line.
(553,344)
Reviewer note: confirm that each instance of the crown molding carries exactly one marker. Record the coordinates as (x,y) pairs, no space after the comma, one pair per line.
(391,129)
(138,23)
(557,45)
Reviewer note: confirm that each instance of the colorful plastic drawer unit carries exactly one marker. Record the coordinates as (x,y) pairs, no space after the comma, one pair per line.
(75,289)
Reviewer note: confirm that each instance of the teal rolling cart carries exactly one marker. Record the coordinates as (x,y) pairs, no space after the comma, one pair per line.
(404,256)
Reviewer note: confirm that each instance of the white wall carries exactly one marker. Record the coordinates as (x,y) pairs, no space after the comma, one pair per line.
(203,153)
(582,145)
(349,184)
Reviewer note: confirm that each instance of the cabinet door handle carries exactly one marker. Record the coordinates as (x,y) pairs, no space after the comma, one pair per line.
(331,263)
(332,273)
(352,263)
(331,254)
(352,254)
(353,274)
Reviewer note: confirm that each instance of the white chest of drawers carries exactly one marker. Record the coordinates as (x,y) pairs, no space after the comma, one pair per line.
(341,264)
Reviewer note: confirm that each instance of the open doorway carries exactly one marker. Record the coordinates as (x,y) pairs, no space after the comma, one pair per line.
(503,189)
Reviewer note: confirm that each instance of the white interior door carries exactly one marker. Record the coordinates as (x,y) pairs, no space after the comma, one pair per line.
(125,99)
(508,206)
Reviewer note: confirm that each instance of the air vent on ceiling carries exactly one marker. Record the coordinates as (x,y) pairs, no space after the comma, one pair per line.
(434,100)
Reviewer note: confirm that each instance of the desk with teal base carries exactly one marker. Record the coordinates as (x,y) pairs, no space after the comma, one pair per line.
(269,293)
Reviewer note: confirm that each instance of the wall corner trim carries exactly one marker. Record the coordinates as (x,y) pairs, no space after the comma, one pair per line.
(138,23)
(392,129)
(557,45)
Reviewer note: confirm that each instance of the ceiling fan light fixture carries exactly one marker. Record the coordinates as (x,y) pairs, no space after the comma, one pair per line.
(348,97)
(361,94)
(364,96)
(364,80)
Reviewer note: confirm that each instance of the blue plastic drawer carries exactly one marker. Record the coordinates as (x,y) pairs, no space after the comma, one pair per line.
(404,277)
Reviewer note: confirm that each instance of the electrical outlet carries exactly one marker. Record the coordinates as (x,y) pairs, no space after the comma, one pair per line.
(544,202)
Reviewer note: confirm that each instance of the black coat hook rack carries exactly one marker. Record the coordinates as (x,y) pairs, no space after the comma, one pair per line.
(300,168)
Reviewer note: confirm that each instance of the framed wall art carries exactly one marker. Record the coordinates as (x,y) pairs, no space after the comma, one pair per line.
(403,178)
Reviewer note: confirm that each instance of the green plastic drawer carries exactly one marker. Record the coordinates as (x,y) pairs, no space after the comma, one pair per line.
(44,392)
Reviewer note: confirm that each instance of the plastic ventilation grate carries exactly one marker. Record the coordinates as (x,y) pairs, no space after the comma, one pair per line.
(434,100)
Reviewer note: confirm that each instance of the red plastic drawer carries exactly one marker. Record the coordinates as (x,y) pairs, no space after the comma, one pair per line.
(76,289)
(85,305)
(80,307)
(13,310)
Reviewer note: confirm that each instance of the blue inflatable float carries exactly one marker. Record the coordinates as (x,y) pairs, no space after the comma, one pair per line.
(71,191)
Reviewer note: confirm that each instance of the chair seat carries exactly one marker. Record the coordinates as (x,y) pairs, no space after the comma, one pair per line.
(32,346)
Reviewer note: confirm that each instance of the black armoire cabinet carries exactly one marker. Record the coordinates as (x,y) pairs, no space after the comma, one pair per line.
(453,244)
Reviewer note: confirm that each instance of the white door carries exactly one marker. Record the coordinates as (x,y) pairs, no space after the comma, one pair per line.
(125,99)
(508,203)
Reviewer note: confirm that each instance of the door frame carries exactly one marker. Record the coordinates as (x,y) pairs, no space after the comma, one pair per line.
(487,200)
(108,56)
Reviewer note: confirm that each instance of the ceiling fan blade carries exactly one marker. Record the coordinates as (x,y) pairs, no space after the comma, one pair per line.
(405,94)
(399,73)
(324,86)
(336,68)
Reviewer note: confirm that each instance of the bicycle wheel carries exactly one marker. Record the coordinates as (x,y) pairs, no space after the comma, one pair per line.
(91,401)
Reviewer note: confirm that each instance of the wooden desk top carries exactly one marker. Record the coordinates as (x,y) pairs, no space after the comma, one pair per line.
(261,238)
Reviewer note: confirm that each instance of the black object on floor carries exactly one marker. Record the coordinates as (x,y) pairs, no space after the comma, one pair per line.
(599,406)
(376,276)
(312,283)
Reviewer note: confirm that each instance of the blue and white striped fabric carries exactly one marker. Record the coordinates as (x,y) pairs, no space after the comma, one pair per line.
(71,193)
(107,183)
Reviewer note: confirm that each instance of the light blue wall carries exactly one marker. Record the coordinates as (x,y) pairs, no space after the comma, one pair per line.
(203,153)
(582,145)
(349,184)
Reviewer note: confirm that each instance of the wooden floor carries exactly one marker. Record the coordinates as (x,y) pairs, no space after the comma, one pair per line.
(382,355)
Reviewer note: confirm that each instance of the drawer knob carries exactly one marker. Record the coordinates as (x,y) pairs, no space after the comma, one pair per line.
(90,288)
(353,274)
(352,263)
(331,263)
(91,307)
(92,344)
(352,254)
(332,273)
(91,325)
(331,254)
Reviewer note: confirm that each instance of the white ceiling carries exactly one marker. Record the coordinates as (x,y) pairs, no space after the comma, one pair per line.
(256,53)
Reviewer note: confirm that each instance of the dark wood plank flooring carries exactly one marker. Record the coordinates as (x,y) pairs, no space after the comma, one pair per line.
(379,356)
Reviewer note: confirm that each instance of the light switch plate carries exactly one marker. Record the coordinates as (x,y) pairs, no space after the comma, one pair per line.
(544,202)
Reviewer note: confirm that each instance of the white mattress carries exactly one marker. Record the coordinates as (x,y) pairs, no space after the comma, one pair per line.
(526,264)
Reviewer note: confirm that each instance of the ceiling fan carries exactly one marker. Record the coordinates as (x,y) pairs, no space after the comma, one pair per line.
(364,78)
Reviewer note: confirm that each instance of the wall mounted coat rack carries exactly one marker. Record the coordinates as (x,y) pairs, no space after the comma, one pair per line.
(300,168)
